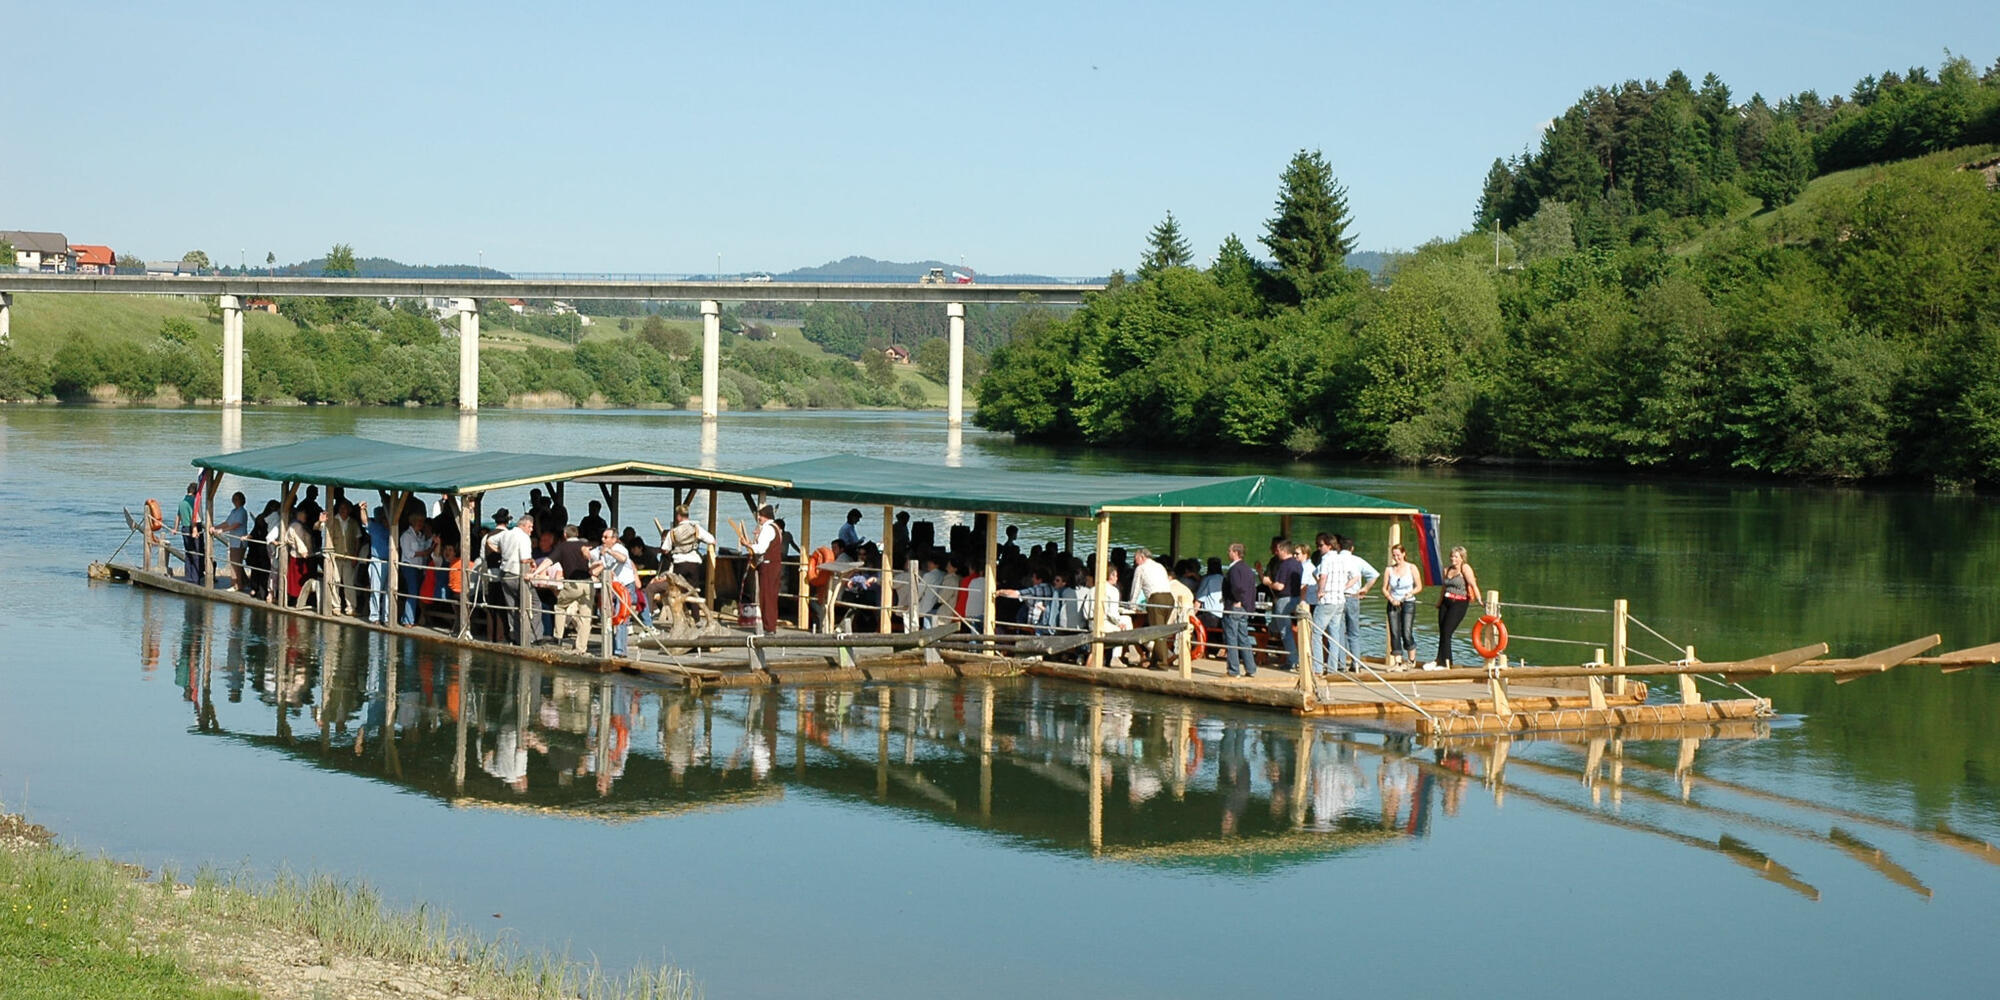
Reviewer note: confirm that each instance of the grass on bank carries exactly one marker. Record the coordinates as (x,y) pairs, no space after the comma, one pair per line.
(40,322)
(74,926)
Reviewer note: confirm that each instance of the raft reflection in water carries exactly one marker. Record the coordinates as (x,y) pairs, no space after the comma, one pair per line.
(1043,764)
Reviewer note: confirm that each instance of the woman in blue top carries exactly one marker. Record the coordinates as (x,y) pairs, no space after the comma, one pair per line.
(1400,585)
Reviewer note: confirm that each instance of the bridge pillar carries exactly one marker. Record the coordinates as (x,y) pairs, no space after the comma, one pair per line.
(955,391)
(468,354)
(711,361)
(232,350)
(6,317)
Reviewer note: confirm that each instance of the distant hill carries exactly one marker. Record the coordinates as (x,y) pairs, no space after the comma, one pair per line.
(1371,261)
(383,267)
(859,268)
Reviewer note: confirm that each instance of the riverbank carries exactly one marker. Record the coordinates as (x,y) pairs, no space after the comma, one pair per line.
(76,926)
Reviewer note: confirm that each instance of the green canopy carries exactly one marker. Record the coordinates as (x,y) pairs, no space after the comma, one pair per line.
(858,480)
(364,464)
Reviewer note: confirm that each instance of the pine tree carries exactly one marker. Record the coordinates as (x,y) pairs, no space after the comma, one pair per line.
(1494,195)
(1309,236)
(1165,248)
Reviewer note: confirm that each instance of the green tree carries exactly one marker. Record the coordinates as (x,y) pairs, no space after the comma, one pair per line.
(1165,248)
(127,264)
(7,256)
(339,262)
(1551,233)
(1308,237)
(195,259)
(1784,165)
(881,369)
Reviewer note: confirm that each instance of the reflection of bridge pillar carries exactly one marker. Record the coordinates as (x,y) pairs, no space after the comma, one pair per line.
(232,351)
(6,316)
(711,348)
(955,391)
(468,354)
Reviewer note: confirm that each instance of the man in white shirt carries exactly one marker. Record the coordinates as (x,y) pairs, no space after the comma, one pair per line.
(234,529)
(683,543)
(1149,588)
(514,546)
(615,564)
(1361,576)
(1329,612)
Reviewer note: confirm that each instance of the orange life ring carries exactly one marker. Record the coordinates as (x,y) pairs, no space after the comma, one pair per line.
(1499,641)
(154,522)
(1197,640)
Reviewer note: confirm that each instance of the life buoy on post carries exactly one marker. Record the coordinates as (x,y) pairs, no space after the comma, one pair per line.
(1499,644)
(1197,639)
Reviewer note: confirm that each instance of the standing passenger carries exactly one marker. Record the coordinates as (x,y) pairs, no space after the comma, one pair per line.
(1239,598)
(1461,590)
(378,566)
(1285,579)
(1400,585)
(188,521)
(767,553)
(235,527)
(1361,576)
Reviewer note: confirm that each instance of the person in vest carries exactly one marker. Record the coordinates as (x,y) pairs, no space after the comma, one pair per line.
(682,543)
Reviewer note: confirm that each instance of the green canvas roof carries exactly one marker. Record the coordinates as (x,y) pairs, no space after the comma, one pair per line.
(364,464)
(859,480)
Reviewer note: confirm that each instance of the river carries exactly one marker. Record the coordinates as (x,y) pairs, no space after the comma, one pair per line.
(1026,837)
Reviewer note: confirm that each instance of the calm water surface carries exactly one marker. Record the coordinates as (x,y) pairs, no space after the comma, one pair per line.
(1031,837)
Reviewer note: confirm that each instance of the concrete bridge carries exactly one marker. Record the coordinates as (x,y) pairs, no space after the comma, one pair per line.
(230,291)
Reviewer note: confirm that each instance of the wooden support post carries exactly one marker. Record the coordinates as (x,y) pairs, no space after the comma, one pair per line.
(1184,647)
(882,707)
(986,751)
(1690,695)
(616,524)
(393,585)
(1285,525)
(804,612)
(910,624)
(1492,608)
(1596,689)
(886,591)
(1099,593)
(1096,768)
(992,572)
(1302,639)
(1620,610)
(708,585)
(1069,536)
(1173,539)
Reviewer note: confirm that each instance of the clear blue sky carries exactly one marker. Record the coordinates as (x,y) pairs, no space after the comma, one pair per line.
(650,137)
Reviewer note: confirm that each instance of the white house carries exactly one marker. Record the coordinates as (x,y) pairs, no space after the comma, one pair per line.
(35,251)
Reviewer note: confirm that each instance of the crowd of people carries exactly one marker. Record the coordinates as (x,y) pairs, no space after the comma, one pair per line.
(540,575)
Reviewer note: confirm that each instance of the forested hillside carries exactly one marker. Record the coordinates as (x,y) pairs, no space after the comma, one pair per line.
(1683,281)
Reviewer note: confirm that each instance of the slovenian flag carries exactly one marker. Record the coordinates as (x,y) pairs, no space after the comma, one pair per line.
(1429,553)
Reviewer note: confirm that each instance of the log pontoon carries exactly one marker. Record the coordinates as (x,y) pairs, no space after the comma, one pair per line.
(812,649)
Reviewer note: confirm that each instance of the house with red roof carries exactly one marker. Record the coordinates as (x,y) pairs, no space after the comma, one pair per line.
(94,259)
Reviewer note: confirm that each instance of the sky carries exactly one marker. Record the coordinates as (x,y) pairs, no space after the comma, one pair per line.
(1019,137)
